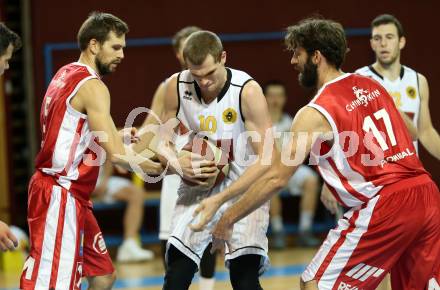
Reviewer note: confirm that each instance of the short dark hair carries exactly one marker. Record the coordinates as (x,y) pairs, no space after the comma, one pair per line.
(324,35)
(7,37)
(201,43)
(182,34)
(388,19)
(273,83)
(98,26)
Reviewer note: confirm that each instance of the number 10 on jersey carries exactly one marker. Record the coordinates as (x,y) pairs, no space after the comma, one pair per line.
(208,124)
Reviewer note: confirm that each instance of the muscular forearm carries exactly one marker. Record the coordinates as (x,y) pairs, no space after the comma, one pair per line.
(258,193)
(245,181)
(141,160)
(431,141)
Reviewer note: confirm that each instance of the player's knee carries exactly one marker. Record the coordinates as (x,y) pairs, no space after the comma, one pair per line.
(309,285)
(104,282)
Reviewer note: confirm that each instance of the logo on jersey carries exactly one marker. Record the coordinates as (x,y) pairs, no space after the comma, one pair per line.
(60,82)
(363,98)
(187,95)
(99,244)
(229,116)
(345,286)
(362,272)
(411,92)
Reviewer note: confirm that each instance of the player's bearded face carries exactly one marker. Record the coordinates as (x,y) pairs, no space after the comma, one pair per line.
(110,54)
(308,77)
(103,68)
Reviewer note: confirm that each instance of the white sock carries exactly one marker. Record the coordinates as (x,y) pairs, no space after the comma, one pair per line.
(206,283)
(277,223)
(305,221)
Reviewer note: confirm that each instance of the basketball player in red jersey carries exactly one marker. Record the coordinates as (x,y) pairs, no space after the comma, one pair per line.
(66,242)
(359,141)
(9,42)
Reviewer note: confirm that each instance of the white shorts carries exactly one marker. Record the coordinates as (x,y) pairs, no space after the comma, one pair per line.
(296,182)
(115,184)
(168,198)
(248,237)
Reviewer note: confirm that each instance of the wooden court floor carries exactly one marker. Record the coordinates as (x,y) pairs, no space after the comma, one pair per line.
(286,266)
(284,273)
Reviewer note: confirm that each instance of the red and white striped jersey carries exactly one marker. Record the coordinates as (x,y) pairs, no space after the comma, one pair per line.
(66,137)
(371,149)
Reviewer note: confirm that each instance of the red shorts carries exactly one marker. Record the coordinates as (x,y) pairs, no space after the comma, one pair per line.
(66,241)
(397,231)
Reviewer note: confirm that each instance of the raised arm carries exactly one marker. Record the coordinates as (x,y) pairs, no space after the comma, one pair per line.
(427,134)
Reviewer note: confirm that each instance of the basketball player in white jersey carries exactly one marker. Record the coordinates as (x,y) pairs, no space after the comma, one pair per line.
(9,42)
(303,183)
(171,182)
(221,104)
(363,150)
(409,88)
(65,238)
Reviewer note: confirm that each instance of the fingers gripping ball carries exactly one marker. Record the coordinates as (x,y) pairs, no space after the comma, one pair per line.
(211,152)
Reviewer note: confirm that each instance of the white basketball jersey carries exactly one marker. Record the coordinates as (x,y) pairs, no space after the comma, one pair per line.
(221,121)
(404,90)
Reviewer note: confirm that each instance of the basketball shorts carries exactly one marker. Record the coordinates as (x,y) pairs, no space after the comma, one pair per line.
(397,231)
(66,241)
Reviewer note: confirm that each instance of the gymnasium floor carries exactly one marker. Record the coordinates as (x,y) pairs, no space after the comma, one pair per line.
(287,265)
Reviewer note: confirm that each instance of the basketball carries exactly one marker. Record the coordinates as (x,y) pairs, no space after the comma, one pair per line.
(211,152)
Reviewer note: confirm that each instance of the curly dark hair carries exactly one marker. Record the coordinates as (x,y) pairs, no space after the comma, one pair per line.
(324,35)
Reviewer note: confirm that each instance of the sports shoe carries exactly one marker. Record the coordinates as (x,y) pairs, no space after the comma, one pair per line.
(130,251)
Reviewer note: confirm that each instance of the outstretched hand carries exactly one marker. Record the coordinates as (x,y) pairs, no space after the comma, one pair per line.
(206,211)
